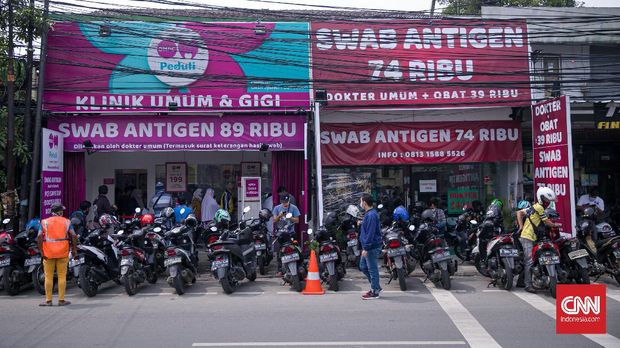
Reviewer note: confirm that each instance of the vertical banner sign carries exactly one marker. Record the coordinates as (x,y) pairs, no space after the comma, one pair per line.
(250,196)
(51,170)
(176,177)
(553,156)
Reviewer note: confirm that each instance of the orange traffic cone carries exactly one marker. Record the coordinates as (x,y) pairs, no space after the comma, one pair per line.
(313,281)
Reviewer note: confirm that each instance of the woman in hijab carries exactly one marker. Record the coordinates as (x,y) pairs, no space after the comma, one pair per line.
(136,199)
(196,203)
(209,206)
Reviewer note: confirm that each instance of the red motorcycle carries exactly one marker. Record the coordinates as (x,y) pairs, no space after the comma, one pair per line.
(546,257)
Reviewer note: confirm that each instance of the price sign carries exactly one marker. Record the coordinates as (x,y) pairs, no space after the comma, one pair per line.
(176,177)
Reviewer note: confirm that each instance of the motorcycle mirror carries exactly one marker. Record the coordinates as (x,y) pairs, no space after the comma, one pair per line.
(310,231)
(213,229)
(120,232)
(473,222)
(6,221)
(138,210)
(289,215)
(157,229)
(246,209)
(182,211)
(380,206)
(411,228)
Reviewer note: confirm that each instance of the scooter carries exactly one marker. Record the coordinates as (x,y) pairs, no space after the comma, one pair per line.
(98,261)
(293,266)
(14,255)
(396,252)
(331,266)
(181,259)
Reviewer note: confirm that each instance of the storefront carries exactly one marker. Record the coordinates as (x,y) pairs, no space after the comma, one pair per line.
(141,103)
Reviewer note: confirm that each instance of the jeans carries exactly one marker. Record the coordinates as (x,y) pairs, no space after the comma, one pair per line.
(60,265)
(528,245)
(370,267)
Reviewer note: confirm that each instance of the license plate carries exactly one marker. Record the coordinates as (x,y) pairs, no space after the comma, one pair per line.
(396,252)
(328,257)
(220,263)
(261,246)
(126,262)
(549,260)
(508,252)
(352,242)
(5,262)
(74,262)
(32,261)
(172,261)
(290,258)
(577,254)
(438,257)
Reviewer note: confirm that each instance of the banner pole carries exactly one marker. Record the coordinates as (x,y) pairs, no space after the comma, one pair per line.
(319,171)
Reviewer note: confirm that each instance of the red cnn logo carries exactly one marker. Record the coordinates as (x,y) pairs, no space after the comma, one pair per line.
(581,309)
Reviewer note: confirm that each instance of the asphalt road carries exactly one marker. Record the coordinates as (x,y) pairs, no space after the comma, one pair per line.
(266,314)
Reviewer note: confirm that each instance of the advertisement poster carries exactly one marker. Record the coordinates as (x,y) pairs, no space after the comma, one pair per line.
(457,198)
(342,189)
(416,64)
(185,67)
(420,142)
(428,185)
(191,133)
(553,156)
(176,177)
(52,167)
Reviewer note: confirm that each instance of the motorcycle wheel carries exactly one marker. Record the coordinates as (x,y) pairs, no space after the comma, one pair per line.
(131,286)
(333,283)
(89,287)
(296,283)
(506,281)
(402,282)
(552,286)
(38,279)
(261,265)
(252,276)
(177,282)
(477,263)
(12,288)
(151,277)
(584,276)
(227,286)
(445,279)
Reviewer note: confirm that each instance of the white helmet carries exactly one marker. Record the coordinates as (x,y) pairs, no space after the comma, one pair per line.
(353,210)
(545,196)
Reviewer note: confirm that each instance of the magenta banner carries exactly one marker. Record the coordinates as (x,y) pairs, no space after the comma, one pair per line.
(52,166)
(136,66)
(170,133)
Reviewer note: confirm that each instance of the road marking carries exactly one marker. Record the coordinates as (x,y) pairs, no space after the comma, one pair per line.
(493,290)
(548,308)
(329,344)
(287,293)
(613,294)
(248,293)
(467,324)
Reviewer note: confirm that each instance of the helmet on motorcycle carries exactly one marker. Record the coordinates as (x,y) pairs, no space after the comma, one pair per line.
(330,219)
(545,196)
(34,224)
(589,213)
(146,219)
(221,216)
(492,212)
(523,204)
(552,213)
(105,220)
(191,221)
(353,211)
(498,203)
(168,212)
(265,214)
(419,207)
(428,216)
(400,214)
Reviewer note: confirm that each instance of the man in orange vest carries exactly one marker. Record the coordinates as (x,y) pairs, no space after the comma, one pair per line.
(53,242)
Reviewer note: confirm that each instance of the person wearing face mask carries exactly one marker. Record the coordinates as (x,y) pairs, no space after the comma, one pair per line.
(530,220)
(370,239)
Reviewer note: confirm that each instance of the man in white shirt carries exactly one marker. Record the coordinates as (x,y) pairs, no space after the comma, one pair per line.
(591,199)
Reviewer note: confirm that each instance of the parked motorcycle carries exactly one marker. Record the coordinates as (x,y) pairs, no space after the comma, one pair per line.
(290,254)
(546,257)
(433,253)
(331,266)
(501,255)
(395,258)
(260,234)
(135,268)
(602,244)
(465,237)
(574,260)
(98,260)
(350,229)
(489,229)
(234,257)
(16,258)
(181,259)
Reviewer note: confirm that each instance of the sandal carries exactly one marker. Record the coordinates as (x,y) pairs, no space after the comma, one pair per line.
(63,303)
(45,304)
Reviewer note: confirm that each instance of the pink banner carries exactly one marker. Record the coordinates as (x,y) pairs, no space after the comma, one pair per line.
(553,156)
(51,191)
(193,133)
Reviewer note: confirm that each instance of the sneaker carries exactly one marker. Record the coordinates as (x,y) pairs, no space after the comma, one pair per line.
(370,295)
(530,290)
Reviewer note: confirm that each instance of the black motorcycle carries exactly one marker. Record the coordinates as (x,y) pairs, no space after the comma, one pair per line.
(501,266)
(290,254)
(155,249)
(465,238)
(15,259)
(602,244)
(135,268)
(433,254)
(396,252)
(181,258)
(264,253)
(331,266)
(98,260)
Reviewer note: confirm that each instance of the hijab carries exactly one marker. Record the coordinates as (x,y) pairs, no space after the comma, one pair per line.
(209,206)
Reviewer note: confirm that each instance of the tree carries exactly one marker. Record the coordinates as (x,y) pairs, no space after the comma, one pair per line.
(472,7)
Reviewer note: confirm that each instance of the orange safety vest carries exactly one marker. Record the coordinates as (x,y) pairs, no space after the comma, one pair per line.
(56,237)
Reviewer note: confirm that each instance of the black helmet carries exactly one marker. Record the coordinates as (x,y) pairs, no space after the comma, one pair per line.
(329,219)
(265,214)
(428,215)
(191,220)
(589,212)
(419,206)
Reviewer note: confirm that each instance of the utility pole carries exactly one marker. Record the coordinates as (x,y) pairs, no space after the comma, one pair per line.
(10,128)
(36,148)
(25,179)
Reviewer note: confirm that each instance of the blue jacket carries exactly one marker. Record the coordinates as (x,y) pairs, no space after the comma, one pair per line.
(370,235)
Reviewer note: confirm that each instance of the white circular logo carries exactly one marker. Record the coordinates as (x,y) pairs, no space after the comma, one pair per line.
(178,57)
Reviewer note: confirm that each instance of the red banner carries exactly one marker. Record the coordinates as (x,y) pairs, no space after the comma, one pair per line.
(420,142)
(553,156)
(417,64)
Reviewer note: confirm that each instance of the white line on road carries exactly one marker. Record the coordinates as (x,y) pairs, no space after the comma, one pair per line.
(470,328)
(548,308)
(329,344)
(248,293)
(493,290)
(615,295)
